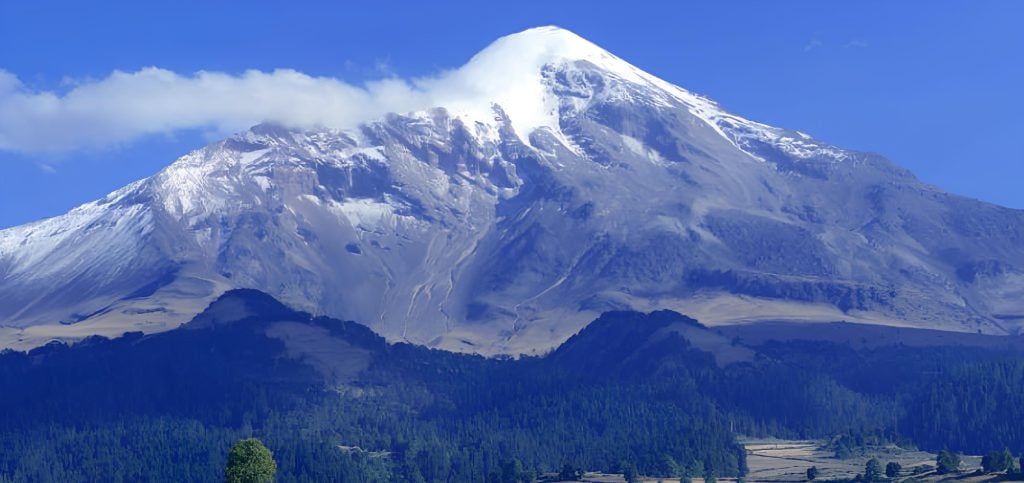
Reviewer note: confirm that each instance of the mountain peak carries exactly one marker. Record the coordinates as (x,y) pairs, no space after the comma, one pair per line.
(518,72)
(542,45)
(456,235)
(510,73)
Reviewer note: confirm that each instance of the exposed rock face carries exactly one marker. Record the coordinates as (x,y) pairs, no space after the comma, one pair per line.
(505,227)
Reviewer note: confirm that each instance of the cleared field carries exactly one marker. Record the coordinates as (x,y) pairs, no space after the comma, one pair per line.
(860,336)
(771,460)
(778,460)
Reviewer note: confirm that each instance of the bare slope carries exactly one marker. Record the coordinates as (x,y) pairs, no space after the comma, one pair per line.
(562,183)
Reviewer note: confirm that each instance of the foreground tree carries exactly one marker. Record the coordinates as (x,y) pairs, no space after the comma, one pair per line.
(873,470)
(250,462)
(629,473)
(997,461)
(570,473)
(893,469)
(709,475)
(1008,460)
(669,466)
(947,462)
(988,463)
(512,471)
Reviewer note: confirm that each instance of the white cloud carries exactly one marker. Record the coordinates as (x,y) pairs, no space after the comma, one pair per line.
(127,105)
(812,45)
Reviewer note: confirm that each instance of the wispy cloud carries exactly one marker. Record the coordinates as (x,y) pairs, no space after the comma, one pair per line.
(126,105)
(816,44)
(379,67)
(117,109)
(812,45)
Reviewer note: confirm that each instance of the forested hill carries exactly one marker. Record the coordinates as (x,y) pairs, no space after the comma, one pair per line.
(334,401)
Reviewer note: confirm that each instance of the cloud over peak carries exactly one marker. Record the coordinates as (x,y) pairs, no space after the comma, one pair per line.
(126,105)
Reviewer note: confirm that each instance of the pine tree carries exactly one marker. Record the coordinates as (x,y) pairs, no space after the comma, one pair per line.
(709,475)
(892,470)
(1007,460)
(629,473)
(947,462)
(873,470)
(250,462)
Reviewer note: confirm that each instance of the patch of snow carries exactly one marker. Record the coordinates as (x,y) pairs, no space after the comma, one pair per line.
(640,149)
(263,182)
(369,214)
(375,153)
(509,73)
(26,245)
(248,158)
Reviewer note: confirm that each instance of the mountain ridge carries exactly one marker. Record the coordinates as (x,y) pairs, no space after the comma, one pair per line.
(495,228)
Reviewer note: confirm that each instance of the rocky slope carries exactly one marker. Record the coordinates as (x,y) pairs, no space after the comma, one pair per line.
(504,221)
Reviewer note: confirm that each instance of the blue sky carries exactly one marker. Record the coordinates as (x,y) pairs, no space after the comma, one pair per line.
(933,85)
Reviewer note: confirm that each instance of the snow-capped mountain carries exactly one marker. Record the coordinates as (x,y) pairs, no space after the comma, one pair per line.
(561,183)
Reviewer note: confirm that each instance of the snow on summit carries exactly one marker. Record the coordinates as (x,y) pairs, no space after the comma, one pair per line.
(499,206)
(511,73)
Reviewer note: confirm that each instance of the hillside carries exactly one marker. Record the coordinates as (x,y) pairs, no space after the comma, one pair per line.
(561,182)
(334,401)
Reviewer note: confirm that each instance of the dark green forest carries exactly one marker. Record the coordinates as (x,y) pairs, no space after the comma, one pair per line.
(629,391)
